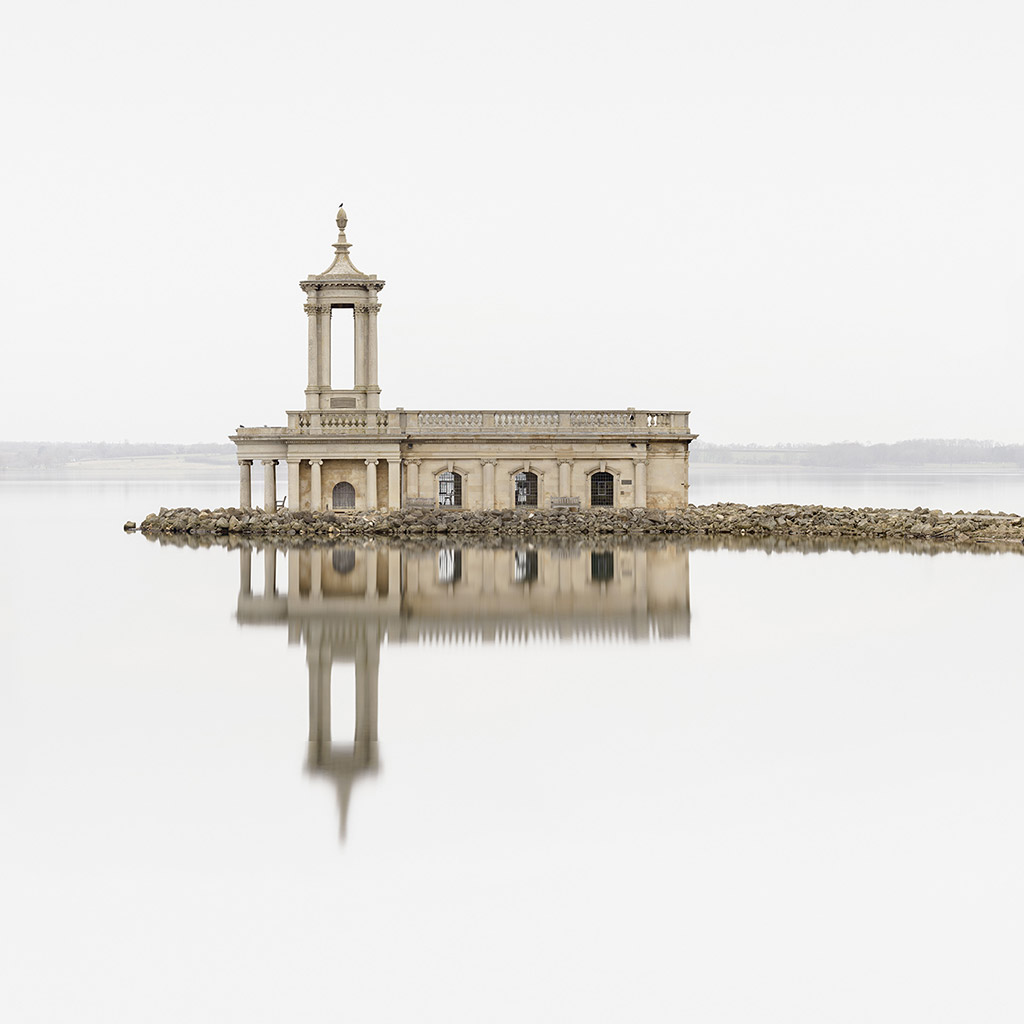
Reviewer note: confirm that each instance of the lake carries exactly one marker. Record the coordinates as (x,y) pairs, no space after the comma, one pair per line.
(674,782)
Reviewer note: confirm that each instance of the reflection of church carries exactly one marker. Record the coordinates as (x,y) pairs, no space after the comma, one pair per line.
(342,603)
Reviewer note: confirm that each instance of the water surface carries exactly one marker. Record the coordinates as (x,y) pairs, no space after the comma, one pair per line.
(676,783)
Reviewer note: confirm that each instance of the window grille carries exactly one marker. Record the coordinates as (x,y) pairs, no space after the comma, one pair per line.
(602,489)
(526,489)
(344,495)
(449,489)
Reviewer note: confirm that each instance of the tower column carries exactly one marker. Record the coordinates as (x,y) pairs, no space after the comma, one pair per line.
(269,484)
(245,483)
(313,345)
(394,483)
(372,399)
(359,370)
(293,483)
(324,329)
(316,497)
(371,484)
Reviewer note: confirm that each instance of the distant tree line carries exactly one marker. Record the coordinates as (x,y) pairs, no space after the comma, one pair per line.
(57,454)
(853,455)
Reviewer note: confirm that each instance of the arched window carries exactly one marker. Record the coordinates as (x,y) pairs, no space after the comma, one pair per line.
(526,489)
(343,560)
(602,489)
(344,495)
(449,489)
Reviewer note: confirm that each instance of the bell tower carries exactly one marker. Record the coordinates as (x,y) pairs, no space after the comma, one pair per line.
(342,287)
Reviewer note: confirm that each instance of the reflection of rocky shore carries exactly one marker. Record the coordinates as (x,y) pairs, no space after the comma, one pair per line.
(592,523)
(689,542)
(343,603)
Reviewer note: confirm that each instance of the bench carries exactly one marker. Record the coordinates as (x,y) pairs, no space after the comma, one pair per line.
(565,502)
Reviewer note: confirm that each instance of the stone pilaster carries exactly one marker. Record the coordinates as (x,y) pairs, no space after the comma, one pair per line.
(640,484)
(487,471)
(564,479)
(413,477)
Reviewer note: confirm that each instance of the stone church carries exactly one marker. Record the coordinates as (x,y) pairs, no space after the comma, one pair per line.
(343,451)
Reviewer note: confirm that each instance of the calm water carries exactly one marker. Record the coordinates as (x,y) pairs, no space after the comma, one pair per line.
(658,785)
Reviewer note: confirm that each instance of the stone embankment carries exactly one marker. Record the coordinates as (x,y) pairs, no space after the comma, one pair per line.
(701,520)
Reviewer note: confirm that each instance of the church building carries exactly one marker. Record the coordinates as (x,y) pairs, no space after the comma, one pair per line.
(343,451)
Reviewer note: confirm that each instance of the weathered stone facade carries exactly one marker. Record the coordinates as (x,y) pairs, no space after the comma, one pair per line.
(343,451)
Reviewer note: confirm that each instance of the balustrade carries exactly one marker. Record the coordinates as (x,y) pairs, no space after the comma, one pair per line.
(500,421)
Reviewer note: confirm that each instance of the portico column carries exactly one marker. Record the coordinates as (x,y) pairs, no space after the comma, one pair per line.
(394,483)
(488,474)
(640,484)
(269,484)
(414,478)
(371,483)
(564,475)
(686,475)
(245,483)
(316,497)
(293,483)
(316,569)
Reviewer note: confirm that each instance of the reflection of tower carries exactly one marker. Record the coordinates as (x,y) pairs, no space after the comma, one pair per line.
(342,763)
(342,603)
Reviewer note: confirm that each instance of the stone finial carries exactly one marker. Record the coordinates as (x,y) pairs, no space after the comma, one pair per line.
(342,218)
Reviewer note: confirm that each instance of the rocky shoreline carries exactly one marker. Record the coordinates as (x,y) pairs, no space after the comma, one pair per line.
(814,521)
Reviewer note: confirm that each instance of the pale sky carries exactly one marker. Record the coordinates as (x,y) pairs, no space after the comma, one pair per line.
(800,220)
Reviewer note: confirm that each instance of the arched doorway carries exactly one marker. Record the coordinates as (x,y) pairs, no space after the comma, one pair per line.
(526,489)
(449,489)
(602,489)
(344,495)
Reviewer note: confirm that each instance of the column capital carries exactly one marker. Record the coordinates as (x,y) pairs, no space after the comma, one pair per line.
(371,462)
(313,308)
(488,462)
(245,462)
(368,307)
(395,462)
(269,462)
(414,462)
(565,462)
(316,462)
(293,460)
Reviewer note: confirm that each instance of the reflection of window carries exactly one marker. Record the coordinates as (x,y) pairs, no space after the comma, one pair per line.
(449,489)
(344,495)
(602,566)
(526,488)
(602,489)
(524,566)
(343,560)
(449,566)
